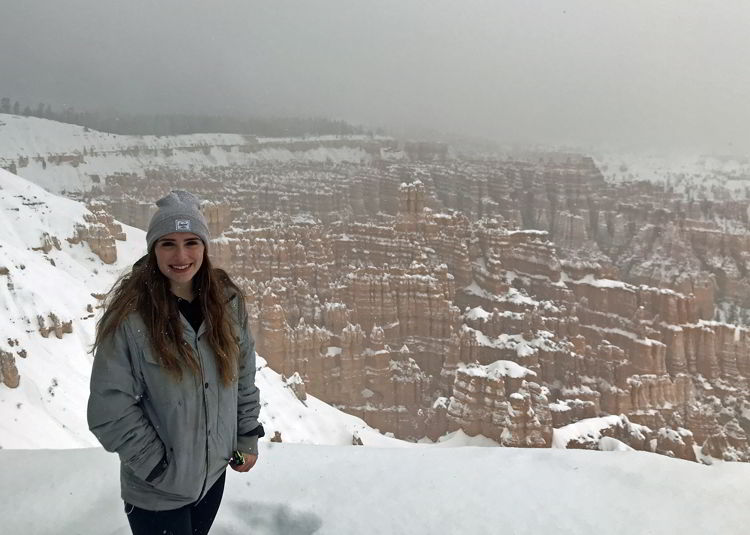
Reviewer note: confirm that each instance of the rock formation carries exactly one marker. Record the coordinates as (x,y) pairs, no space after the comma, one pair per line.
(8,371)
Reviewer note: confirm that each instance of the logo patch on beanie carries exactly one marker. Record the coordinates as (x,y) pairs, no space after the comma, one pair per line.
(181,225)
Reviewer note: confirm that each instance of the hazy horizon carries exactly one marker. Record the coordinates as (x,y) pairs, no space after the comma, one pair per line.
(662,75)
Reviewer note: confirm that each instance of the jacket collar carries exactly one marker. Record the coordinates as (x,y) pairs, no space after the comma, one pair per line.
(188,329)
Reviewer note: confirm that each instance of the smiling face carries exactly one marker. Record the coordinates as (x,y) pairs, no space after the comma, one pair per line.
(179,256)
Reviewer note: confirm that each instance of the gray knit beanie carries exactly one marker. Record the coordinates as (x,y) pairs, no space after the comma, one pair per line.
(178,212)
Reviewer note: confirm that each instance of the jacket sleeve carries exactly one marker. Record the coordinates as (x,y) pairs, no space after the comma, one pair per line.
(248,395)
(114,414)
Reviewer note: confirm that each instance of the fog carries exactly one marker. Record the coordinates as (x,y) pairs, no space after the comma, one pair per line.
(635,74)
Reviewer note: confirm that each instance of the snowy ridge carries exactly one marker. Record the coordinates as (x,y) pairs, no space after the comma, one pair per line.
(31,136)
(34,147)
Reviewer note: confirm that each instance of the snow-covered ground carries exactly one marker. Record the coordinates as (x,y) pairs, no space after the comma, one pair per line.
(104,154)
(301,489)
(699,176)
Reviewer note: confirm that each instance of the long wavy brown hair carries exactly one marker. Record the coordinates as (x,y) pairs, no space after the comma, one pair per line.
(146,290)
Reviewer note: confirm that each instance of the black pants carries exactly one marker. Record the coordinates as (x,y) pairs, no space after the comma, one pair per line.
(193,519)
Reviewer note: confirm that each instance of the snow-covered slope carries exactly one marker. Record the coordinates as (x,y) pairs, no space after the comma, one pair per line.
(63,157)
(29,136)
(301,489)
(45,409)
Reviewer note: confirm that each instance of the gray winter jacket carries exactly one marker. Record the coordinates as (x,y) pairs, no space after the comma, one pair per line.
(137,409)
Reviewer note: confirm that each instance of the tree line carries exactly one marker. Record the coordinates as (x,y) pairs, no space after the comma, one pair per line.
(176,124)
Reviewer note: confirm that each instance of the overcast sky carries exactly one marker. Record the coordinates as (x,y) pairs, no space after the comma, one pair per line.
(672,73)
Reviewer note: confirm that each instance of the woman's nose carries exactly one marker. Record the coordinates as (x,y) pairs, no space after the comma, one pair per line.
(180,252)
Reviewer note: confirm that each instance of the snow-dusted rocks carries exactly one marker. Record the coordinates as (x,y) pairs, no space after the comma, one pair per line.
(498,402)
(8,371)
(676,443)
(593,434)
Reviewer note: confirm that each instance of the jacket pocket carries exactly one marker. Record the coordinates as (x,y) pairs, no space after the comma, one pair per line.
(158,471)
(173,481)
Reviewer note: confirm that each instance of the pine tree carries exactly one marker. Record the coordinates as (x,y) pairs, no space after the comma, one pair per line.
(16,108)
(5,105)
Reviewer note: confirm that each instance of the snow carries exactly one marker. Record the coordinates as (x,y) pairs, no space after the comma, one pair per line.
(512,296)
(295,379)
(333,351)
(625,334)
(612,444)
(587,428)
(497,369)
(477,313)
(528,232)
(670,434)
(441,402)
(32,137)
(604,283)
(516,342)
(584,390)
(300,489)
(686,173)
(48,407)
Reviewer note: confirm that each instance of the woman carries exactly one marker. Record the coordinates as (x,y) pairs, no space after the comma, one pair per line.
(173,383)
